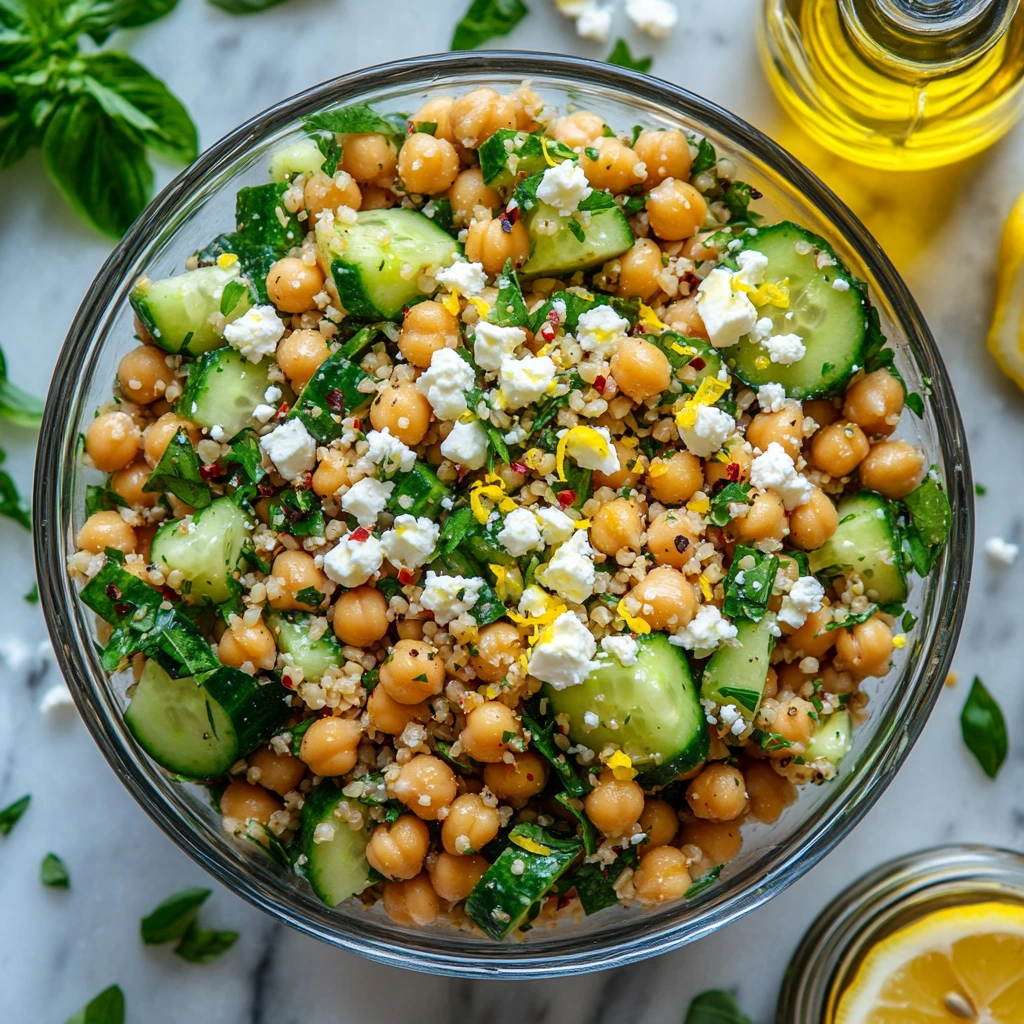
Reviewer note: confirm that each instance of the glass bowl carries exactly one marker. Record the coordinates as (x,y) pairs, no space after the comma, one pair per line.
(198,204)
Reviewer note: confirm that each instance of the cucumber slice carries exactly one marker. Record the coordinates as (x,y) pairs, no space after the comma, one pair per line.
(580,245)
(222,390)
(654,703)
(508,156)
(736,675)
(314,657)
(418,493)
(832,323)
(337,868)
(302,156)
(199,730)
(866,543)
(377,261)
(176,311)
(263,219)
(206,550)
(832,738)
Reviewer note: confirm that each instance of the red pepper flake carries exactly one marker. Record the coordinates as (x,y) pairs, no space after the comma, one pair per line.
(406,576)
(122,609)
(169,594)
(428,614)
(286,680)
(698,362)
(518,467)
(732,472)
(547,332)
(359,534)
(566,498)
(553,318)
(461,471)
(356,423)
(512,213)
(599,384)
(305,483)
(265,488)
(113,592)
(335,399)
(210,471)
(506,223)
(282,410)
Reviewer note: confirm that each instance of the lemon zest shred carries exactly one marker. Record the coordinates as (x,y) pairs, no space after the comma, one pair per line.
(683,350)
(493,489)
(544,149)
(507,505)
(530,458)
(770,294)
(650,319)
(543,350)
(705,587)
(709,391)
(659,467)
(451,303)
(500,572)
(762,362)
(588,438)
(635,623)
(899,640)
(525,842)
(629,442)
(699,505)
(481,307)
(621,765)
(638,466)
(581,524)
(226,260)
(723,456)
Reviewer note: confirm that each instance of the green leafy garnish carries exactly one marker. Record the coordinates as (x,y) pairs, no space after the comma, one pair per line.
(852,620)
(909,621)
(172,918)
(705,160)
(731,494)
(54,873)
(106,1008)
(915,403)
(980,490)
(587,831)
(706,882)
(747,589)
(178,473)
(542,739)
(299,513)
(245,6)
(12,504)
(595,885)
(577,229)
(715,1007)
(102,499)
(17,406)
(32,597)
(298,731)
(204,945)
(234,292)
(487,19)
(358,118)
(927,529)
(509,309)
(623,58)
(12,812)
(983,728)
(246,454)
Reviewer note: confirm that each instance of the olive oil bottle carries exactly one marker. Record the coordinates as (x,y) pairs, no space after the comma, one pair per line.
(897,84)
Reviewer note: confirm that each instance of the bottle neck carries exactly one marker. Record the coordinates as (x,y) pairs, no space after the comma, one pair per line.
(926,37)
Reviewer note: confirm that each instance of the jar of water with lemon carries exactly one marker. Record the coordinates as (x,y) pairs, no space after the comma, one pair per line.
(897,84)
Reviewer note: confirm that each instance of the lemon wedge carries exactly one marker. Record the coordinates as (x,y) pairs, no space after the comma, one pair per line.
(1006,335)
(953,966)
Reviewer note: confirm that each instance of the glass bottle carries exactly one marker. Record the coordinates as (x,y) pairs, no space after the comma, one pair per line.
(897,84)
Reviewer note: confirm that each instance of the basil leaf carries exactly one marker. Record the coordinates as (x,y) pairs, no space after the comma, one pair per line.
(18,132)
(703,883)
(203,945)
(983,728)
(245,6)
(542,739)
(143,12)
(853,620)
(705,160)
(231,296)
(747,590)
(54,873)
(915,403)
(715,1007)
(16,405)
(12,504)
(509,309)
(172,918)
(178,473)
(298,731)
(106,1008)
(929,512)
(357,118)
(736,199)
(102,499)
(623,58)
(300,514)
(12,812)
(97,165)
(589,833)
(731,494)
(487,19)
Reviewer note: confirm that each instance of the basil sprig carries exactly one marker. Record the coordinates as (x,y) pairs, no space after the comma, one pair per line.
(175,920)
(715,1007)
(54,872)
(245,6)
(487,19)
(983,728)
(622,57)
(106,1008)
(94,115)
(12,812)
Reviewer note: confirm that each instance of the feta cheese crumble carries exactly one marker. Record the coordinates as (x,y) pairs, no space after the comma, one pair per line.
(599,330)
(594,22)
(588,453)
(366,499)
(255,333)
(534,602)
(520,533)
(1001,552)
(727,314)
(555,526)
(655,17)
(466,445)
(445,382)
(388,452)
(731,716)
(711,429)
(410,542)
(564,187)
(56,698)
(466,278)
(776,471)
(753,264)
(352,562)
(705,632)
(570,573)
(522,381)
(804,597)
(785,348)
(291,448)
(493,344)
(448,597)
(771,397)
(563,655)
(623,649)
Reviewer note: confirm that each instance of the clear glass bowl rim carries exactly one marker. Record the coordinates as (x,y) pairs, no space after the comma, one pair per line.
(596,950)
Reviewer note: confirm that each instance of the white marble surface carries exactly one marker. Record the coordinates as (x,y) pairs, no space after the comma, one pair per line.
(58,948)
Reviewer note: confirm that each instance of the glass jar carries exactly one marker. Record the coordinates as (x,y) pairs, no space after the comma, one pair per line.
(880,903)
(898,84)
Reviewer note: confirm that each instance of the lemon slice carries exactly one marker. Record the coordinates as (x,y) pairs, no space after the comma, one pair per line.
(962,964)
(1006,335)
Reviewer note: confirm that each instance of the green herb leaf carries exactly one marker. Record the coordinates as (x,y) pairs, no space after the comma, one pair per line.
(12,504)
(929,518)
(980,490)
(731,494)
(747,590)
(247,455)
(203,945)
(623,58)
(17,406)
(310,596)
(12,812)
(587,830)
(246,6)
(715,1007)
(173,918)
(983,728)
(143,12)
(595,885)
(299,513)
(106,1008)
(298,731)
(853,620)
(425,128)
(54,873)
(736,199)
(915,403)
(32,597)
(234,292)
(496,447)
(487,19)
(509,309)
(577,229)
(909,622)
(356,118)
(704,883)
(542,739)
(177,473)
(705,160)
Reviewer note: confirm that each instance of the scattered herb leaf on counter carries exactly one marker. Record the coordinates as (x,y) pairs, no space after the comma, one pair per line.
(203,945)
(12,812)
(173,918)
(106,1008)
(623,58)
(715,1007)
(33,595)
(983,728)
(17,406)
(487,19)
(54,872)
(245,6)
(12,504)
(980,490)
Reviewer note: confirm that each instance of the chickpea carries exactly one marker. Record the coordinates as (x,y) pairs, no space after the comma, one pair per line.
(785,427)
(578,130)
(299,571)
(659,822)
(128,484)
(437,111)
(812,523)
(671,539)
(243,801)
(477,115)
(676,210)
(397,850)
(893,468)
(112,441)
(378,197)
(739,455)
(401,409)
(667,599)
(631,464)
(639,269)
(426,328)
(330,746)
(409,629)
(662,876)
(369,158)
(834,681)
(323,193)
(412,672)
(865,649)
(361,616)
(331,473)
(765,519)
(616,525)
(300,355)
(426,165)
(640,369)
(159,435)
(614,805)
(616,167)
(791,719)
(718,793)
(469,193)
(789,678)
(425,785)
(486,725)
(839,448)
(529,107)
(388,716)
(490,245)
(498,648)
(684,316)
(875,403)
(515,783)
(253,644)
(719,842)
(280,773)
(292,284)
(666,154)
(143,374)
(106,530)
(812,639)
(676,479)
(412,903)
(822,411)
(769,792)
(470,825)
(453,878)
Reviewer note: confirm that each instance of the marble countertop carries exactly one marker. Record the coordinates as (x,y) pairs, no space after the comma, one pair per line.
(57,949)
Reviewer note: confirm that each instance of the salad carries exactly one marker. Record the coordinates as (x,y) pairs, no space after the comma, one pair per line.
(502,513)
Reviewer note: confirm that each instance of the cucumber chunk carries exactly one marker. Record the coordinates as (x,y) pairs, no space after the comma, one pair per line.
(509,156)
(200,729)
(302,156)
(736,675)
(654,703)
(314,657)
(263,219)
(176,311)
(206,550)
(832,738)
(336,868)
(866,543)
(377,261)
(418,493)
(222,390)
(832,323)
